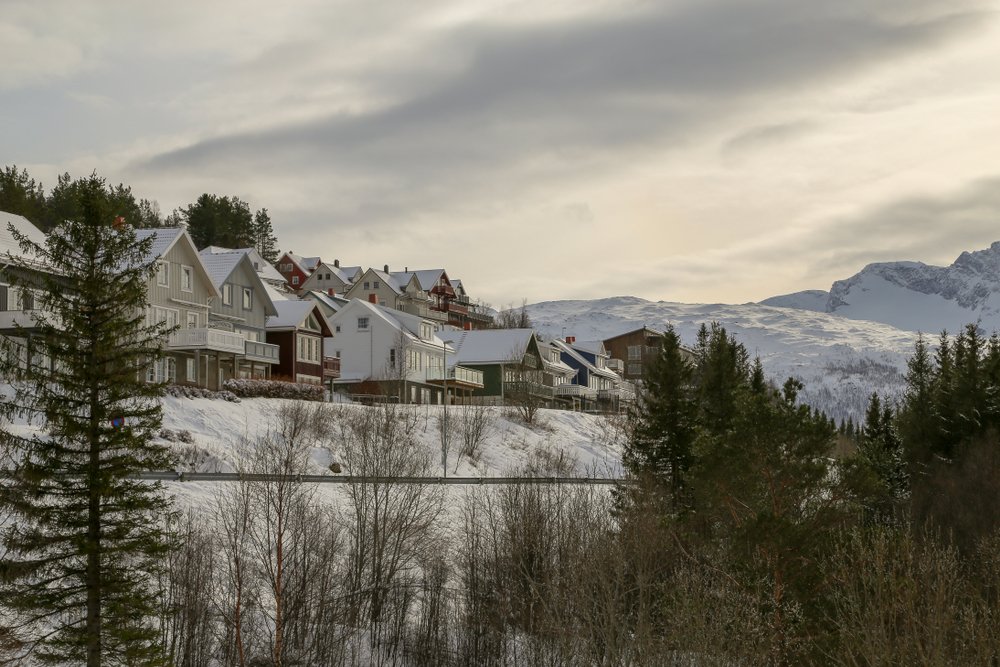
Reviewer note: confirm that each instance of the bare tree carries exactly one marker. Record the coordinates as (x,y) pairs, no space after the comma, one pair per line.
(389,526)
(472,425)
(524,389)
(513,317)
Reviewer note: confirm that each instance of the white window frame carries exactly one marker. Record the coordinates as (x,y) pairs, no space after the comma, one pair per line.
(227,294)
(187,276)
(247,298)
(191,320)
(364,323)
(295,280)
(163,274)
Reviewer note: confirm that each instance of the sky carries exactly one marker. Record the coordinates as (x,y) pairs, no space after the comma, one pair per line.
(681,150)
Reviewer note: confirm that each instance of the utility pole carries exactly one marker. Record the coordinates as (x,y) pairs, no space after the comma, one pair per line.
(444,431)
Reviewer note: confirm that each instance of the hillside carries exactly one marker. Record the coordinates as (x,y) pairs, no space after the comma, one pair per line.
(912,295)
(841,361)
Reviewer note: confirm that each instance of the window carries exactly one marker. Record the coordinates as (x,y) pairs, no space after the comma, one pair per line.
(3,297)
(295,280)
(635,369)
(392,358)
(162,370)
(167,316)
(362,324)
(634,352)
(190,372)
(227,295)
(327,276)
(27,299)
(375,285)
(337,329)
(163,274)
(247,298)
(187,278)
(192,320)
(308,349)
(337,354)
(366,286)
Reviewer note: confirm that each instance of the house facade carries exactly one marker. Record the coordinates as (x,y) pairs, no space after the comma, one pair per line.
(395,354)
(298,329)
(243,308)
(510,361)
(18,312)
(601,388)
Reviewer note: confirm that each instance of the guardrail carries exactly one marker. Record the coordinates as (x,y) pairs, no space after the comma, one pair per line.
(180,476)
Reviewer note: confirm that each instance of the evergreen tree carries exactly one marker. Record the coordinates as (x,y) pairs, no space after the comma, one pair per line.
(21,195)
(916,417)
(221,221)
(722,371)
(64,203)
(264,240)
(659,450)
(83,552)
(882,454)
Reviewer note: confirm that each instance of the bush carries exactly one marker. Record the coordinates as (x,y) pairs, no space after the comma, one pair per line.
(275,389)
(189,391)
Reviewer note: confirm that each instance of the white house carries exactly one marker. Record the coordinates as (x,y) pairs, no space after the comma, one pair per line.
(397,354)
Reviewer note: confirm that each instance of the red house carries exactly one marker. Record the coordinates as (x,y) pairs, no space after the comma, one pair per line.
(298,330)
(297,269)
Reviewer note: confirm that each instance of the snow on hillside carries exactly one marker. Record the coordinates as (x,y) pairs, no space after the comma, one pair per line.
(813,299)
(219,429)
(841,361)
(913,295)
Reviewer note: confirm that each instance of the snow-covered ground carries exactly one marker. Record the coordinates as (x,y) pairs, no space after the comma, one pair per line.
(841,361)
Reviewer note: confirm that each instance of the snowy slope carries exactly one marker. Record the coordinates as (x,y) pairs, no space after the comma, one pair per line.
(841,361)
(813,299)
(914,296)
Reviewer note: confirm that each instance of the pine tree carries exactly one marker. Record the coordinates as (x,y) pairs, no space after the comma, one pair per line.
(881,452)
(264,240)
(86,543)
(659,450)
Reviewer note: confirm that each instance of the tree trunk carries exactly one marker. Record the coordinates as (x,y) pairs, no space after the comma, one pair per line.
(93,576)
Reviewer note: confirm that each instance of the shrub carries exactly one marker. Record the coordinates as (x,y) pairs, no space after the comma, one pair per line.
(275,389)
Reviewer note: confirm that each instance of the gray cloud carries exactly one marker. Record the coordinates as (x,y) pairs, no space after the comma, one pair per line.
(532,104)
(932,229)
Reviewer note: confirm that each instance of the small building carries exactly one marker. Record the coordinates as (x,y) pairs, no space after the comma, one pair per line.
(601,388)
(510,361)
(298,329)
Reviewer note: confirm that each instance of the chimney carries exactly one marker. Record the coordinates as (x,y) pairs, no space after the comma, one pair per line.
(373,298)
(570,340)
(336,263)
(406,269)
(386,268)
(467,326)
(330,291)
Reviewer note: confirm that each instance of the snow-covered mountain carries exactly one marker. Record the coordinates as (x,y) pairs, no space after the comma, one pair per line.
(841,361)
(912,295)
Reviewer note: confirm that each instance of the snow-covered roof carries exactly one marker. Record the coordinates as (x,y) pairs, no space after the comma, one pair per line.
(8,246)
(335,303)
(291,315)
(406,323)
(489,346)
(277,294)
(221,265)
(266,272)
(591,346)
(163,239)
(307,264)
(591,368)
(426,278)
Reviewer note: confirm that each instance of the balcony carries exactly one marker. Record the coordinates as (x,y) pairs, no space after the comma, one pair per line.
(458,376)
(207,339)
(331,368)
(10,320)
(262,352)
(574,390)
(616,365)
(531,388)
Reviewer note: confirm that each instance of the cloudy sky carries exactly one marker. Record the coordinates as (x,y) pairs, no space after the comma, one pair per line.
(684,150)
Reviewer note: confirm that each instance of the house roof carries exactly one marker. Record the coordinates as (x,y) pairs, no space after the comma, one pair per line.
(221,265)
(266,272)
(655,332)
(291,315)
(335,303)
(307,264)
(406,323)
(8,246)
(164,238)
(489,346)
(591,346)
(426,279)
(579,358)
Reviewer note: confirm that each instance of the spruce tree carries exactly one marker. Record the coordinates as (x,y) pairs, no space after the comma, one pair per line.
(659,451)
(86,541)
(264,240)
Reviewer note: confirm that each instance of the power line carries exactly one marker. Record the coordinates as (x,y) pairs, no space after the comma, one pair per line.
(179,476)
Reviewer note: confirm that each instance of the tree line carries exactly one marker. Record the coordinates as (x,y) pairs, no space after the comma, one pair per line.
(225,221)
